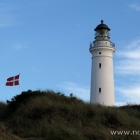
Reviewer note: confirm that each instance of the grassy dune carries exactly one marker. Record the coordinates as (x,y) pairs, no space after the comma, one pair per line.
(4,135)
(49,115)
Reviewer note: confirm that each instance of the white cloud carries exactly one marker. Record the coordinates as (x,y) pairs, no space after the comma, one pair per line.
(134,44)
(120,103)
(128,64)
(78,91)
(132,94)
(129,58)
(7,18)
(19,46)
(135,6)
(128,67)
(132,54)
(12,49)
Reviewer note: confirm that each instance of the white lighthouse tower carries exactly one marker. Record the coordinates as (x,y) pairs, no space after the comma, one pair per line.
(102,77)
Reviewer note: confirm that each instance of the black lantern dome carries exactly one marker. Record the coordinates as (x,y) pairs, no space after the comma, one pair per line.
(102,26)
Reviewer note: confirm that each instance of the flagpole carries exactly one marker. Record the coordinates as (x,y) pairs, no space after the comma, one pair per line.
(19,85)
(19,88)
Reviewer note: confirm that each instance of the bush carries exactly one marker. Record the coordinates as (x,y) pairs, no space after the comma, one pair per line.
(3,108)
(23,98)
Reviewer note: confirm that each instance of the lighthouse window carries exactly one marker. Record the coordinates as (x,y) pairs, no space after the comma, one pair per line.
(99,65)
(99,89)
(99,52)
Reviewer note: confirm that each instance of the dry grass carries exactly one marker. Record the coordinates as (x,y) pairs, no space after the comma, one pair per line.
(4,135)
(51,116)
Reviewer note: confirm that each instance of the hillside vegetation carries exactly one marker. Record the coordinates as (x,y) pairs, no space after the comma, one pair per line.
(49,115)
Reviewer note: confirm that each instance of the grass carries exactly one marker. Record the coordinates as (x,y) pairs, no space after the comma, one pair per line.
(50,115)
(4,135)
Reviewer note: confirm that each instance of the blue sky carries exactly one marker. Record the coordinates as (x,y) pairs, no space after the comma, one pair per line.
(47,41)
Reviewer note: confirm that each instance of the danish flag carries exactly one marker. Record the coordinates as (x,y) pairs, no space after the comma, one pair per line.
(13,81)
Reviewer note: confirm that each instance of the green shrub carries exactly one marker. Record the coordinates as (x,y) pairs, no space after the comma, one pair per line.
(23,98)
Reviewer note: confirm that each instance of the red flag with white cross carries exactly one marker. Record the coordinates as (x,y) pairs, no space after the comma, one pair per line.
(13,81)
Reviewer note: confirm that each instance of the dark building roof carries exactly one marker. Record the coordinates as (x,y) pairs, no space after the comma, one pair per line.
(102,26)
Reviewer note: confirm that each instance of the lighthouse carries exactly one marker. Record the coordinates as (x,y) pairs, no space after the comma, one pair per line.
(102,75)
